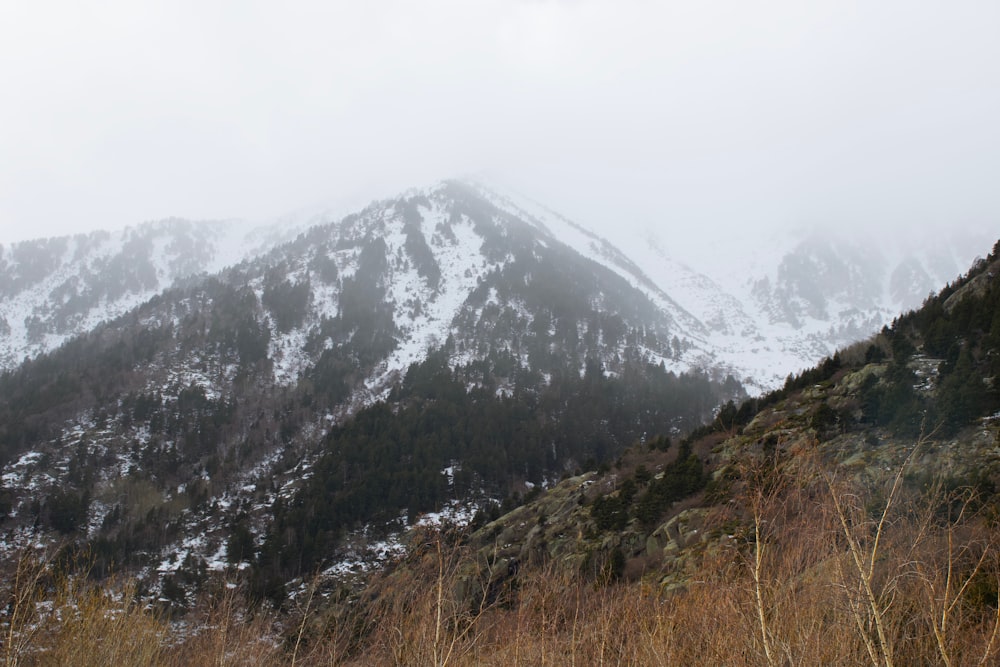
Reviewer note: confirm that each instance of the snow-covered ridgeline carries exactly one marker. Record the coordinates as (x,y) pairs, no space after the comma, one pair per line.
(46,300)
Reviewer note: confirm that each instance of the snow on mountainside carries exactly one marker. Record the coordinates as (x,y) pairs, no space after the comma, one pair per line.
(53,289)
(425,287)
(763,306)
(757,306)
(221,392)
(455,262)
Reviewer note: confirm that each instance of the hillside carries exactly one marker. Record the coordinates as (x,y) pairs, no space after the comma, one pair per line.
(352,372)
(311,420)
(857,502)
(847,518)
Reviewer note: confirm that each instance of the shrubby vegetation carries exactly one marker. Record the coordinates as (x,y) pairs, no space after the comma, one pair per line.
(921,590)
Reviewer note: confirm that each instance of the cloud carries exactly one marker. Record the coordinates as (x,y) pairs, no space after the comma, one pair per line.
(685,114)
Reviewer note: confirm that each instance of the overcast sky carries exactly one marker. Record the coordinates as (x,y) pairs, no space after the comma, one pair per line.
(676,115)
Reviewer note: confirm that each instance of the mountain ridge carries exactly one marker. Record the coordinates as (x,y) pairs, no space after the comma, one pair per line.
(222,394)
(752,320)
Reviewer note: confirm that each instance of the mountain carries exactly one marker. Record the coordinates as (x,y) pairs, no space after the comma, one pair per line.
(54,289)
(776,304)
(857,502)
(432,351)
(755,306)
(305,421)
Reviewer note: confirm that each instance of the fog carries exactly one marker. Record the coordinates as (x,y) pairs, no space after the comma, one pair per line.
(686,117)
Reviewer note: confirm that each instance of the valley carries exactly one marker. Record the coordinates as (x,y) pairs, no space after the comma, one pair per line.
(458,368)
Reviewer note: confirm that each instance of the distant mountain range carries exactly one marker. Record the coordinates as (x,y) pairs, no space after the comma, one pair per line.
(182,397)
(768,306)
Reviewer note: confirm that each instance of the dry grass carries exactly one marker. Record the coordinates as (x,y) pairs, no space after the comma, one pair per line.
(57,619)
(825,572)
(53,618)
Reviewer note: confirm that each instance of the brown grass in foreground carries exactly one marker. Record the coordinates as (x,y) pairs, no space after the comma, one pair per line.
(822,572)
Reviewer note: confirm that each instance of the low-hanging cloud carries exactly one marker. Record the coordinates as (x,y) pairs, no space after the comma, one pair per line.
(674,115)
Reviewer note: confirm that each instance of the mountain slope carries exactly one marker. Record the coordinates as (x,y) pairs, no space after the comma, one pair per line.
(858,502)
(57,288)
(753,306)
(175,438)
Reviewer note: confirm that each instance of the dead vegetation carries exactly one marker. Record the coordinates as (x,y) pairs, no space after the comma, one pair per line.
(821,569)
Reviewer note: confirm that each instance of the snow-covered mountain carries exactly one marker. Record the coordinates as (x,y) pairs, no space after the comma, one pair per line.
(761,306)
(776,305)
(216,391)
(221,394)
(823,291)
(56,288)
